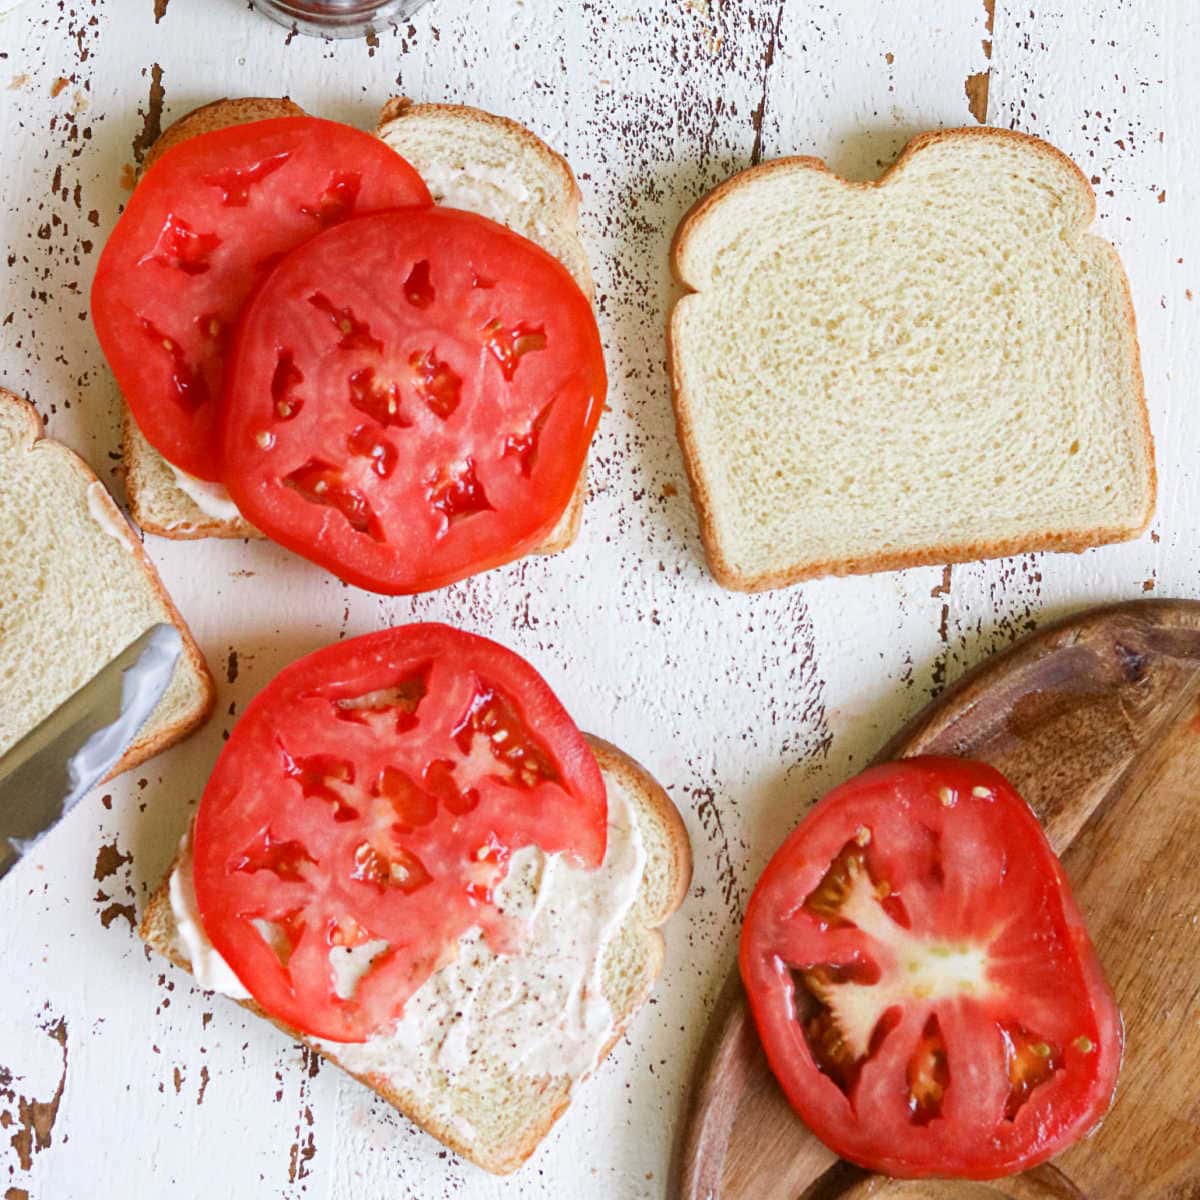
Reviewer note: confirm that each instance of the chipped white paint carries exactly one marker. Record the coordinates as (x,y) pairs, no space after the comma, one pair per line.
(744,706)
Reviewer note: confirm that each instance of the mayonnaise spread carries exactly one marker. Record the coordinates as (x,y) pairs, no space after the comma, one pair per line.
(104,511)
(489,191)
(210,498)
(540,1011)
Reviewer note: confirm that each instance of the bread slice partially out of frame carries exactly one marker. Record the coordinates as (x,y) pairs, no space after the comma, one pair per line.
(487,1113)
(469,159)
(76,588)
(938,366)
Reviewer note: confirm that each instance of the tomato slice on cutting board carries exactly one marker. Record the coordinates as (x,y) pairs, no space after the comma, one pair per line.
(202,229)
(368,801)
(411,398)
(922,980)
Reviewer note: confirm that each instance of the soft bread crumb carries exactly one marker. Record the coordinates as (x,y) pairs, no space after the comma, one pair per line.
(937,367)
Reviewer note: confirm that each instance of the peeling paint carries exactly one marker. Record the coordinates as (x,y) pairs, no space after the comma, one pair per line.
(33,1120)
(977,84)
(109,860)
(756,118)
(151,115)
(115,910)
(304,1147)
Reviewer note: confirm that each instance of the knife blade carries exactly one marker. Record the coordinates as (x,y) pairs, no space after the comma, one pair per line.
(44,775)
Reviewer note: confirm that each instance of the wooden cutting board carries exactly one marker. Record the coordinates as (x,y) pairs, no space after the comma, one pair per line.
(1096,720)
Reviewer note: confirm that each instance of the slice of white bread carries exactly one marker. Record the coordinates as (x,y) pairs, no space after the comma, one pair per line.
(76,588)
(487,1113)
(524,185)
(936,367)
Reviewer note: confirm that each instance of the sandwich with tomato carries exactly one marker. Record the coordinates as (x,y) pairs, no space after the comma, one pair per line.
(922,981)
(409,857)
(311,348)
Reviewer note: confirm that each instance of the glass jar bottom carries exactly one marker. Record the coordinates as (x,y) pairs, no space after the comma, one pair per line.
(336,18)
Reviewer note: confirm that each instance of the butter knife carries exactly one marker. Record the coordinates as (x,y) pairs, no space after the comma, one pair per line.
(44,775)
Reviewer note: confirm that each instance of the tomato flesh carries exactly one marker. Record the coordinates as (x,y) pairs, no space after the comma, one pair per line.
(922,980)
(371,795)
(202,229)
(411,398)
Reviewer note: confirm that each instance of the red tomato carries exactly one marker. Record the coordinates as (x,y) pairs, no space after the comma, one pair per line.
(922,980)
(203,227)
(372,793)
(411,399)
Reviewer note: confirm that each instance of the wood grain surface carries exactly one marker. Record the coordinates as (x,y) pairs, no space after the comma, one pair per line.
(1096,720)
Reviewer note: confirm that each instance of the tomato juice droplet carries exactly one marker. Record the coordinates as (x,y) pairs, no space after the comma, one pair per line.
(509,345)
(322,483)
(418,289)
(493,718)
(235,183)
(337,201)
(188,387)
(524,446)
(1030,1060)
(286,859)
(316,774)
(397,868)
(180,247)
(353,333)
(284,382)
(379,399)
(400,701)
(460,494)
(928,1074)
(436,383)
(366,442)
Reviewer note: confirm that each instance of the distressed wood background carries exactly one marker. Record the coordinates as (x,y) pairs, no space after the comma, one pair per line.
(119,1079)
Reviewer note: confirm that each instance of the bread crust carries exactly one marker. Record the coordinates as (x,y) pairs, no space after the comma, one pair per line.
(727,573)
(220,114)
(157,926)
(143,747)
(204,527)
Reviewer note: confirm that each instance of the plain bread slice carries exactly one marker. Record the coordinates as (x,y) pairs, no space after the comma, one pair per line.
(938,366)
(76,587)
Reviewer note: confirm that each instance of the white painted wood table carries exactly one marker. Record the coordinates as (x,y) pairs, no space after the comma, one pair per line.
(119,1078)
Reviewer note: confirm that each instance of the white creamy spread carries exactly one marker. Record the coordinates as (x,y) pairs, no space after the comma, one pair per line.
(107,515)
(489,191)
(210,498)
(541,1011)
(210,969)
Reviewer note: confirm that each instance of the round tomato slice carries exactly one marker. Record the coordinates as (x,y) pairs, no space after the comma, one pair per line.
(412,397)
(922,980)
(363,810)
(203,227)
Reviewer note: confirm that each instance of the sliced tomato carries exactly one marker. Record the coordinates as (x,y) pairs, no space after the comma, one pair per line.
(412,397)
(922,980)
(204,226)
(369,799)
